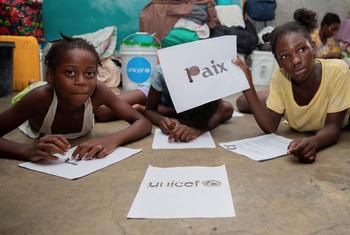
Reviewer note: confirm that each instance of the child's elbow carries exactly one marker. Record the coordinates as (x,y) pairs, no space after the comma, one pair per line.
(270,129)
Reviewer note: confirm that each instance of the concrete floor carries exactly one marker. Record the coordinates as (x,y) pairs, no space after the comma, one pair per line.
(280,196)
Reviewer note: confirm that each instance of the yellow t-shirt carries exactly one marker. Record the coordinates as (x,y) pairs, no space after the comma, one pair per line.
(332,96)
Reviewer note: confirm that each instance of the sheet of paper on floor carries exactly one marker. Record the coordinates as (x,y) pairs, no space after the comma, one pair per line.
(71,169)
(259,148)
(237,114)
(183,192)
(160,141)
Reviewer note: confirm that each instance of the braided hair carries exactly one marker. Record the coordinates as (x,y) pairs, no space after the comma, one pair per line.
(67,43)
(305,21)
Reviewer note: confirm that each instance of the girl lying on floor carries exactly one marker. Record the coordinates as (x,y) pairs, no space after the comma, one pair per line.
(64,108)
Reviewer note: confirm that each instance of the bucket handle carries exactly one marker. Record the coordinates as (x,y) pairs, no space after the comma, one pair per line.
(142,33)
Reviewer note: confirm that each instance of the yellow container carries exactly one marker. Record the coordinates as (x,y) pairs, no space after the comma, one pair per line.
(26,65)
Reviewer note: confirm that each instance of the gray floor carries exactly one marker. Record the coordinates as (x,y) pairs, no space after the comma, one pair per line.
(280,196)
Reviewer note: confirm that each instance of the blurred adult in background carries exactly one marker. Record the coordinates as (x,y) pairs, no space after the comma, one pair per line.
(343,38)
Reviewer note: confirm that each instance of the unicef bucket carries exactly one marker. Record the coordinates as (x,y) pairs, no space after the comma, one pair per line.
(139,58)
(263,64)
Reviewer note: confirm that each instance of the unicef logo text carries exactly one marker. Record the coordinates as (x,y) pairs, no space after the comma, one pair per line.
(138,69)
(211,183)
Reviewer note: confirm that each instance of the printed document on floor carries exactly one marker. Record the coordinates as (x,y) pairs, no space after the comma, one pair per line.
(183,192)
(259,148)
(69,168)
(160,141)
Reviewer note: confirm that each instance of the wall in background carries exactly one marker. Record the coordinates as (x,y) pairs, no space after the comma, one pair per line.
(286,8)
(84,16)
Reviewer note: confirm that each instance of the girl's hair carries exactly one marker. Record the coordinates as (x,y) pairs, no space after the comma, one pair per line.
(330,18)
(305,21)
(199,117)
(67,43)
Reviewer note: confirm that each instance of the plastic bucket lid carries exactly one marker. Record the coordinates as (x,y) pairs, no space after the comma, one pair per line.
(137,50)
(142,39)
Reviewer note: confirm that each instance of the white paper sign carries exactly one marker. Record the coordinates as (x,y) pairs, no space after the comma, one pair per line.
(160,141)
(259,148)
(71,169)
(183,192)
(201,71)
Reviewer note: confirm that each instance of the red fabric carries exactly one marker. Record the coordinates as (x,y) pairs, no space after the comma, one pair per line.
(21,17)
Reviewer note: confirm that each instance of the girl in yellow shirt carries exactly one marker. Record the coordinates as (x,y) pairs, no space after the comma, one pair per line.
(311,94)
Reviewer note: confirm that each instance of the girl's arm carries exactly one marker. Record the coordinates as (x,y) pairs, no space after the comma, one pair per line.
(28,106)
(267,119)
(305,149)
(139,125)
(165,123)
(152,105)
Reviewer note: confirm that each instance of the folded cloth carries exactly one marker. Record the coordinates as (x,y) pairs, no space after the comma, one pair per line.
(179,36)
(104,41)
(213,20)
(198,14)
(230,15)
(109,73)
(201,30)
(160,16)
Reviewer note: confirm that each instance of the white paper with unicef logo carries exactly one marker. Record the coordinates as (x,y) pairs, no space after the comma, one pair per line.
(183,192)
(71,169)
(201,71)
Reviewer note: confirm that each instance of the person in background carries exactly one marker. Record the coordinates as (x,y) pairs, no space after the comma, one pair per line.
(343,38)
(312,94)
(187,125)
(326,46)
(64,109)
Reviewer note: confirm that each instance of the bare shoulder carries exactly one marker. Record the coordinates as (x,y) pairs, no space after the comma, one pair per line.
(34,103)
(38,98)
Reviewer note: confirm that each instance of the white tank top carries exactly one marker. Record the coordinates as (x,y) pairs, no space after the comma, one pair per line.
(45,129)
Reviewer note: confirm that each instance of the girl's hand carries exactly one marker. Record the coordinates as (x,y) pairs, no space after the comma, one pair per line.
(183,133)
(304,149)
(166,125)
(240,63)
(96,148)
(46,147)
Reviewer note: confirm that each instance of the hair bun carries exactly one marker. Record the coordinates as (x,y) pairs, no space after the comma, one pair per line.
(66,37)
(306,18)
